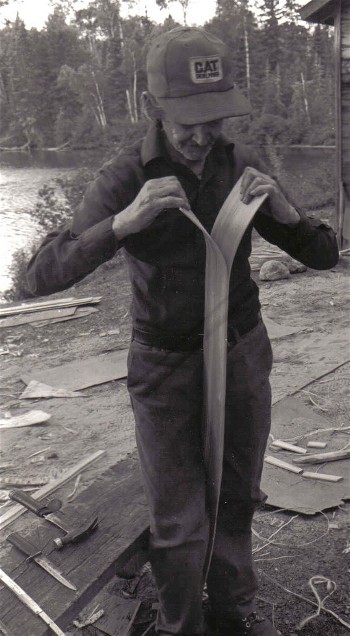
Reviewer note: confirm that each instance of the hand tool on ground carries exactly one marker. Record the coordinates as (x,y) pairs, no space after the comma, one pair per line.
(221,246)
(73,535)
(29,602)
(34,554)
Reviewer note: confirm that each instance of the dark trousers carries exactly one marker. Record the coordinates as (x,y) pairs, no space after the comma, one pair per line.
(166,394)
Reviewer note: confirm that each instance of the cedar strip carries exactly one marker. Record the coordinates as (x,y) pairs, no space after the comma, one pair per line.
(322,476)
(320,458)
(291,447)
(281,464)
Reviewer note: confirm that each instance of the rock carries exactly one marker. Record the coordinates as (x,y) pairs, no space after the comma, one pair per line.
(274,270)
(294,266)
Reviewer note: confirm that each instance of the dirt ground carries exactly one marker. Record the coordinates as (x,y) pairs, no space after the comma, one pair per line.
(306,547)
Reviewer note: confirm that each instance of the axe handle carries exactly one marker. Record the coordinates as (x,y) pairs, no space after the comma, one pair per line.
(27,501)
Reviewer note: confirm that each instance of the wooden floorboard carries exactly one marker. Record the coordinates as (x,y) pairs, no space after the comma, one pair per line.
(117,497)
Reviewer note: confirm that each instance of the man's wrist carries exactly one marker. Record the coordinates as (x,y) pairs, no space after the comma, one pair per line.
(293,217)
(117,227)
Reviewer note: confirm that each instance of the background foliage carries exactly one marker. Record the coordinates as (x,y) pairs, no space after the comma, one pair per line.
(77,82)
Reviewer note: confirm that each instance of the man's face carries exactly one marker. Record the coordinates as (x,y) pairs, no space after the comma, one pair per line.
(195,141)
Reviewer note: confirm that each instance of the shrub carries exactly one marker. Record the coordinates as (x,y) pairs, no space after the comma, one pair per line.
(18,275)
(50,211)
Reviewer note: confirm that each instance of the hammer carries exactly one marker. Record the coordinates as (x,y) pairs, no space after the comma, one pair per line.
(46,509)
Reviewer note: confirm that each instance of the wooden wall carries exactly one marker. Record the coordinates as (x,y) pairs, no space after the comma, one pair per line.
(343,92)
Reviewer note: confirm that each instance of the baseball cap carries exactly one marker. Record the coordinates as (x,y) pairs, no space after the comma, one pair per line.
(190,73)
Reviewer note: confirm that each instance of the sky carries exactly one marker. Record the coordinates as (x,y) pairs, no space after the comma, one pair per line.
(34,12)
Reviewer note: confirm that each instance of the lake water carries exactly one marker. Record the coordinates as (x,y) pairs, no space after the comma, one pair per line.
(22,174)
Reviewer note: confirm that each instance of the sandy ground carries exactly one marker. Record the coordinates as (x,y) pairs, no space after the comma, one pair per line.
(103,420)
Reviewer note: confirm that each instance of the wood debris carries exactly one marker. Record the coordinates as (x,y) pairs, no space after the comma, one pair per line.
(315,444)
(13,482)
(25,419)
(322,476)
(48,304)
(281,464)
(90,620)
(320,458)
(17,510)
(37,389)
(290,447)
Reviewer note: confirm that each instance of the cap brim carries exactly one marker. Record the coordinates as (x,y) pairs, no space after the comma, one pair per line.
(204,107)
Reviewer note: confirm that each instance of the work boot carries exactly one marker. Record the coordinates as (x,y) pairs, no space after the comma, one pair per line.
(251,625)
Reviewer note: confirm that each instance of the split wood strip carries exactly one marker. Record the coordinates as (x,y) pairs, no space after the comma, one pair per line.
(29,602)
(320,458)
(221,245)
(58,303)
(281,464)
(17,510)
(290,447)
(322,476)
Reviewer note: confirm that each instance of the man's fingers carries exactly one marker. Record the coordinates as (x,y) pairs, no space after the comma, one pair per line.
(168,188)
(248,177)
(172,202)
(258,185)
(264,188)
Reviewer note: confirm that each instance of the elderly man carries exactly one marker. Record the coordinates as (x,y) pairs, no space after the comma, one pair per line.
(185,162)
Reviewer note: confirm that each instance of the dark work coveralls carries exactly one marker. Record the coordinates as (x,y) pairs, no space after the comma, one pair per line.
(167,264)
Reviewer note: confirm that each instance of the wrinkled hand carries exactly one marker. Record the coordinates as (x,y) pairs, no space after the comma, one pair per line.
(255,183)
(154,196)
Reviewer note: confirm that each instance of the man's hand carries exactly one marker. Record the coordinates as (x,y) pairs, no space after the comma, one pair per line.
(154,196)
(255,183)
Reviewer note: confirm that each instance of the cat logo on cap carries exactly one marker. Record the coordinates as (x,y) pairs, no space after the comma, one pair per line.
(206,69)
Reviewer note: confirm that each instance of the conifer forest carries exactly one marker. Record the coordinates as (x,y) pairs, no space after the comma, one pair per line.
(77,81)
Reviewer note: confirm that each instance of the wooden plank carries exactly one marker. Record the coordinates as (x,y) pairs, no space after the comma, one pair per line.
(17,510)
(337,111)
(47,314)
(118,500)
(81,374)
(29,602)
(117,610)
(48,304)
(80,312)
(345,39)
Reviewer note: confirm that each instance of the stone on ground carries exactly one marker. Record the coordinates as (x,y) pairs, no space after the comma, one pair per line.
(274,270)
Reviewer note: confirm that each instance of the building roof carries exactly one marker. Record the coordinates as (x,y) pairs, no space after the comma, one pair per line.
(320,11)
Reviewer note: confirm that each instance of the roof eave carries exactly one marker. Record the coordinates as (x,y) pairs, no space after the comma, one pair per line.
(320,11)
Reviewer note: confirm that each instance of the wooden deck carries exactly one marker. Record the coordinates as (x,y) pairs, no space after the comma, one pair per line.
(117,497)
